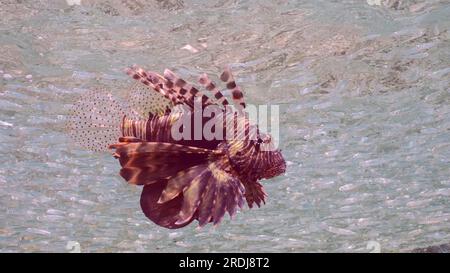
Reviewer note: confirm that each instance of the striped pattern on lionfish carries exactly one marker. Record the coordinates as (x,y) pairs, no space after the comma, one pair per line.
(187,179)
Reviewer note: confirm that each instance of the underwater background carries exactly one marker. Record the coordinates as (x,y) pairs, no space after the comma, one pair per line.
(364,93)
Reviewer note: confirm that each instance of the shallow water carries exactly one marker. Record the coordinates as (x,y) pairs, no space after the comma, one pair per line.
(364,95)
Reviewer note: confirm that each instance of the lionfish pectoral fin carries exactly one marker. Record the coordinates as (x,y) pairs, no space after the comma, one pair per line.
(146,162)
(223,193)
(129,139)
(165,214)
(205,192)
(254,194)
(163,202)
(158,147)
(176,184)
(208,192)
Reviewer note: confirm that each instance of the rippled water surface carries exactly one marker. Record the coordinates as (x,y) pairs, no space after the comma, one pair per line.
(363,89)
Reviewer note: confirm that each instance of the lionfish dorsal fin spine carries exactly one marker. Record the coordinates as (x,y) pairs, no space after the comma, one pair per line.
(185,89)
(212,87)
(153,82)
(177,85)
(236,92)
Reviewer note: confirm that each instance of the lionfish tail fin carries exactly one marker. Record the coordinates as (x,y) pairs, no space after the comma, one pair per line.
(94,121)
(147,162)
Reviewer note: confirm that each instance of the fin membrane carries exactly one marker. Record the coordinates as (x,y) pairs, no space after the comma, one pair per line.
(146,162)
(147,102)
(204,192)
(94,122)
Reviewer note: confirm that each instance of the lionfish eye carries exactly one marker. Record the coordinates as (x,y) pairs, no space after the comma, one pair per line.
(260,141)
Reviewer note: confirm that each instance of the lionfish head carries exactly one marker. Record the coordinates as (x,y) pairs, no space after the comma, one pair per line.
(257,157)
(269,158)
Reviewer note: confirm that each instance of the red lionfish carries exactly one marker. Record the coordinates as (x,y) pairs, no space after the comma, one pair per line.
(187,179)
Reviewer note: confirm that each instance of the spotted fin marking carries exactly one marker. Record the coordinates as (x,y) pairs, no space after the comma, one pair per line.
(185,89)
(94,122)
(146,102)
(236,92)
(211,86)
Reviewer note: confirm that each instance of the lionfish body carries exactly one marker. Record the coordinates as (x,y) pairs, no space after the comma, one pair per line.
(184,179)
